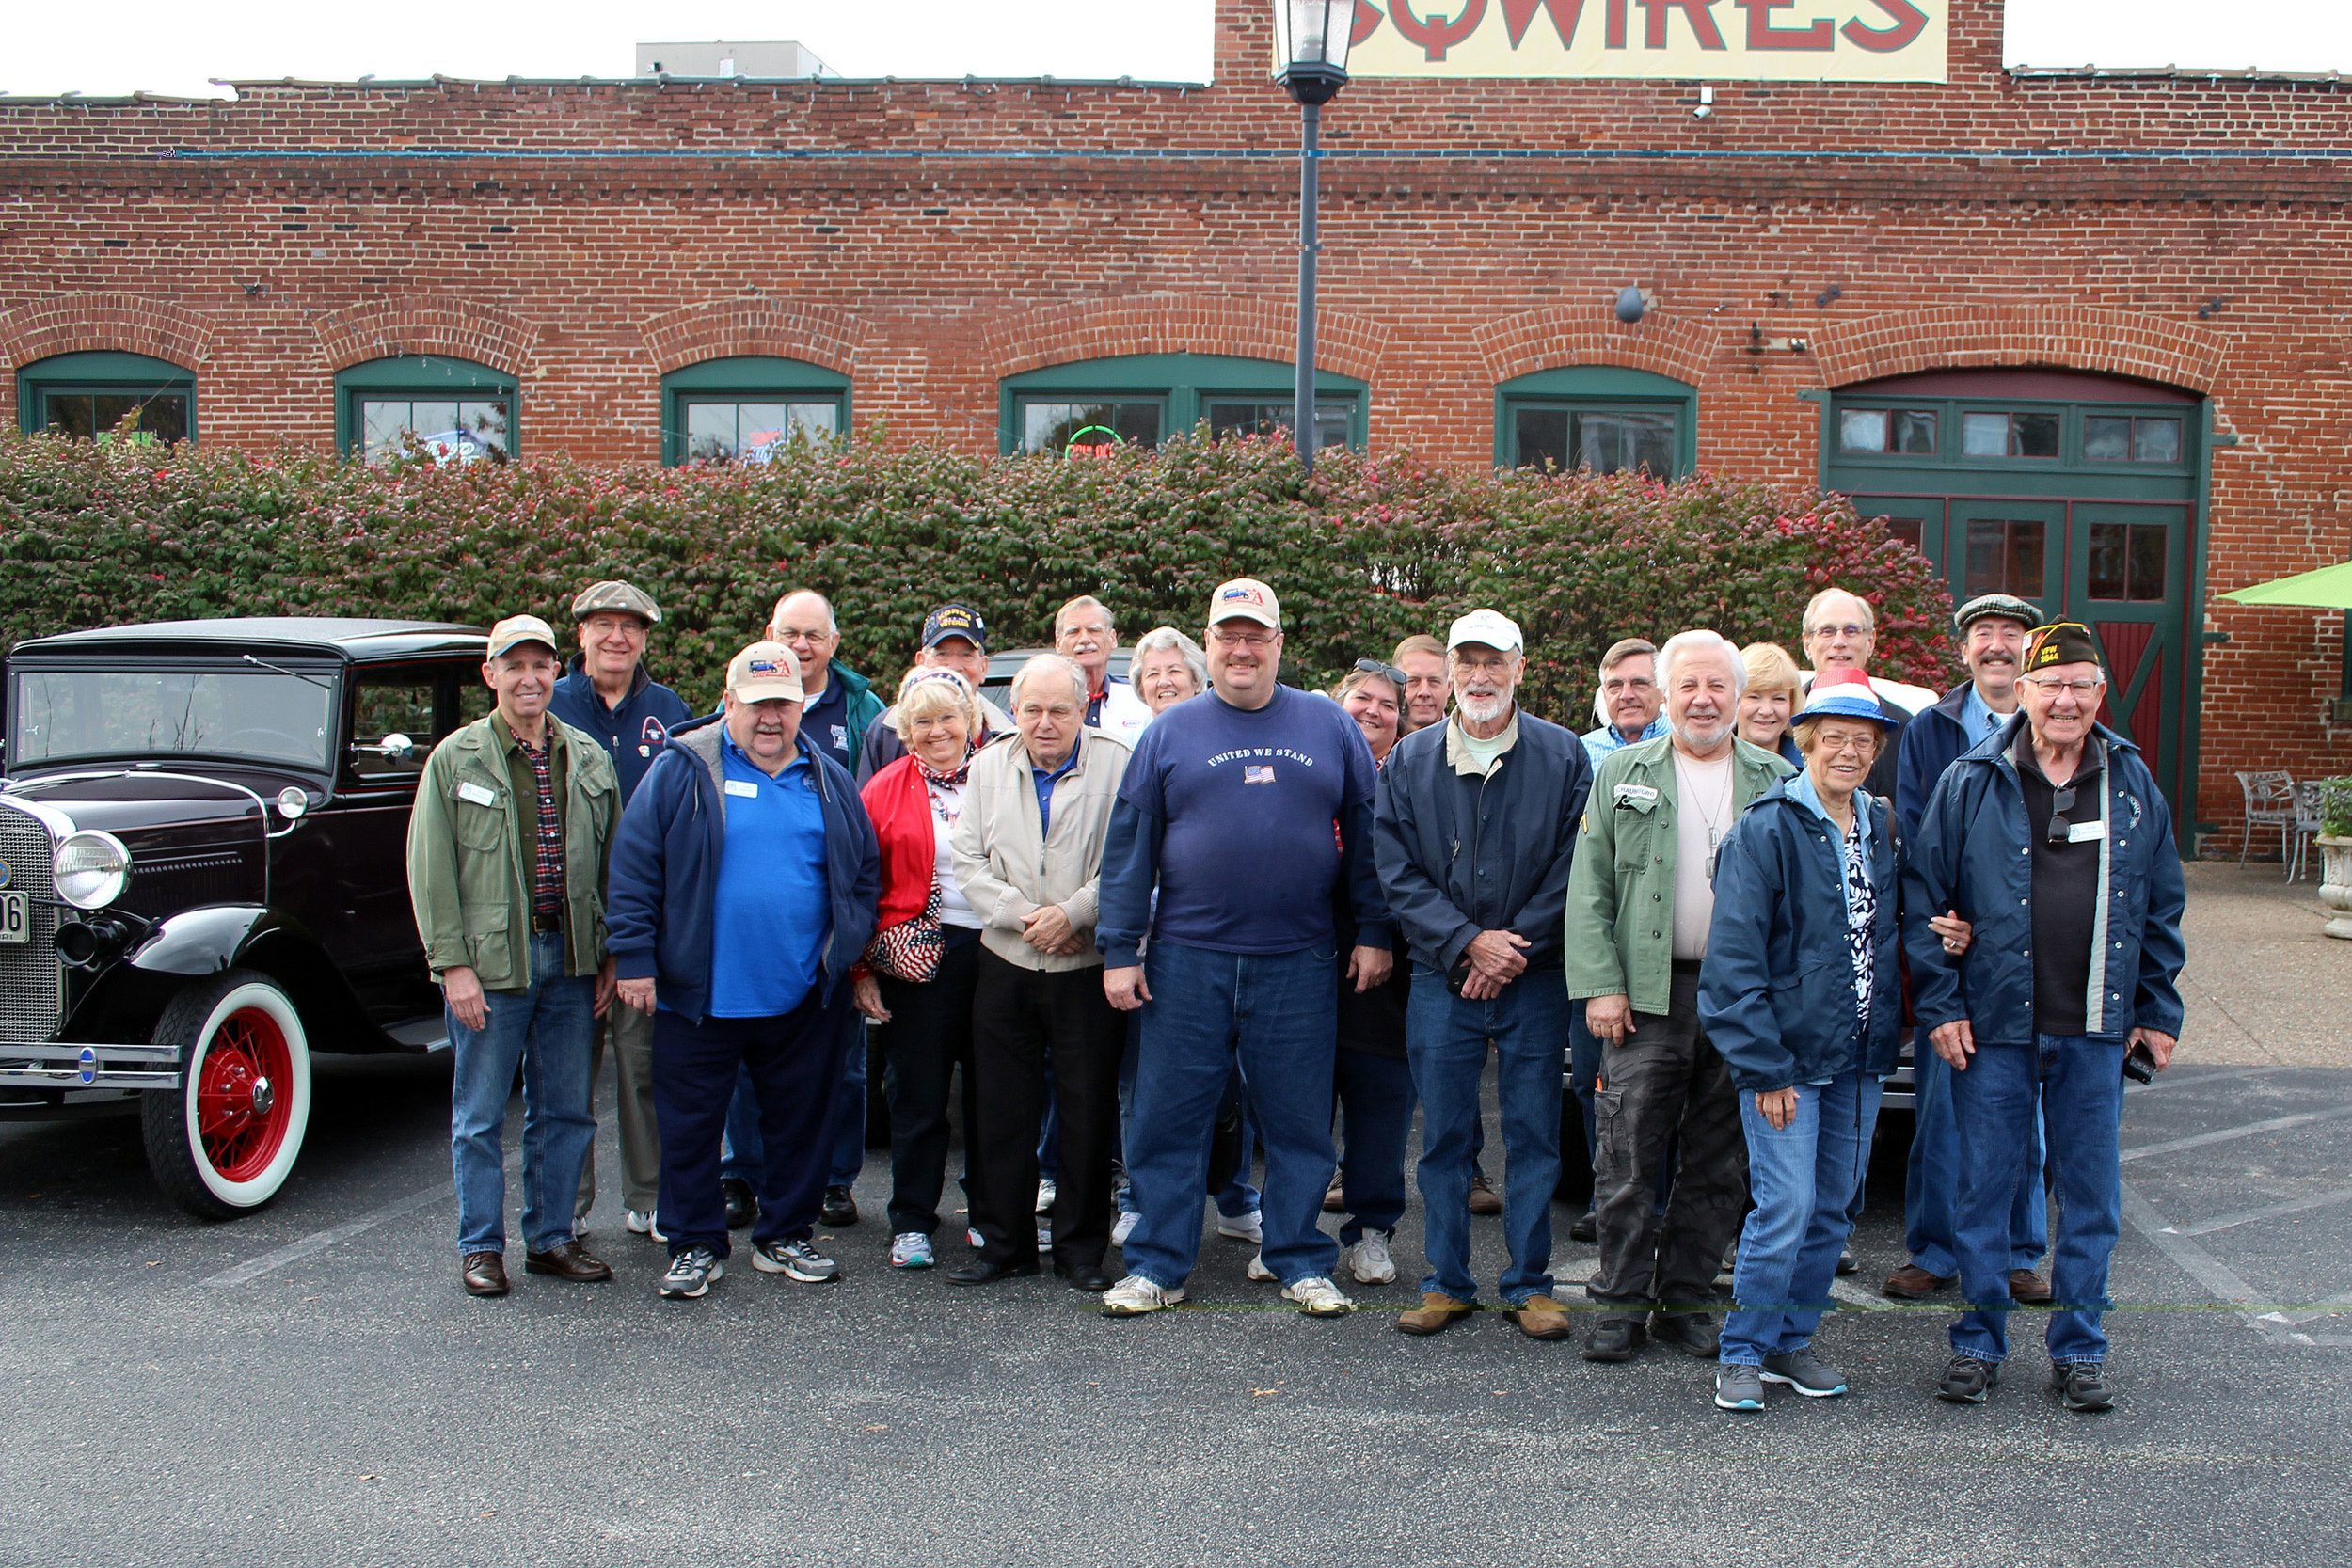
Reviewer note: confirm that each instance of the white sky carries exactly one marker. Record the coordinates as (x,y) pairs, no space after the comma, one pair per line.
(176,45)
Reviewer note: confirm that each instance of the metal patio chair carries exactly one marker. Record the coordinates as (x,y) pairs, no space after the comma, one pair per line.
(2308,806)
(2269,803)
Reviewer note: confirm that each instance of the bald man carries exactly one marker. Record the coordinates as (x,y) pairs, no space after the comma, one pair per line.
(840,702)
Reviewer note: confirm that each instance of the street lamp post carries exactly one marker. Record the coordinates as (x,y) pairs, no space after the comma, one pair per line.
(1310,39)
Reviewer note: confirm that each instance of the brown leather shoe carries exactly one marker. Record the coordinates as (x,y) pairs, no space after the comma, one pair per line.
(1334,1200)
(1435,1312)
(570,1261)
(1541,1318)
(484,1274)
(2028,1287)
(1484,1200)
(1910,1283)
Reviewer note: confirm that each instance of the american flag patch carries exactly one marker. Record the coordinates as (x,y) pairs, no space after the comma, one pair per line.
(1257,775)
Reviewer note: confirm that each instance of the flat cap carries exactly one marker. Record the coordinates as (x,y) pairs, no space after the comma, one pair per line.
(2009,607)
(627,599)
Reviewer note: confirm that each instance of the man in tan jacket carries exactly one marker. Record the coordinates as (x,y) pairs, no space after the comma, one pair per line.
(1028,849)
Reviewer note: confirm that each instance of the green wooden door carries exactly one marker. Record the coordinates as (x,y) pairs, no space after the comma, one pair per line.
(2127,568)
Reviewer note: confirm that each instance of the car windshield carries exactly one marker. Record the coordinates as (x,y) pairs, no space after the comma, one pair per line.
(260,714)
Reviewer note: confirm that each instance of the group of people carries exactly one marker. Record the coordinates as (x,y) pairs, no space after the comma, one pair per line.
(1155,926)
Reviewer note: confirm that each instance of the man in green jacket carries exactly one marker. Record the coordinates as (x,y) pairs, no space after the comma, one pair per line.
(1640,893)
(507,848)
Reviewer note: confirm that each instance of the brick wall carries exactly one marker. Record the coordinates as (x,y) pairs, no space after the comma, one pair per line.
(929,238)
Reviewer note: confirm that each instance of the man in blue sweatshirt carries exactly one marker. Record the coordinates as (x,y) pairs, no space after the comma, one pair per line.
(1248,808)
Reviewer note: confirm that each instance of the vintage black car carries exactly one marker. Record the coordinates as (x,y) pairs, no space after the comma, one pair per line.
(202,877)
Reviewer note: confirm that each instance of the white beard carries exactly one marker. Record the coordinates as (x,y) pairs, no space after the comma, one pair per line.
(1703,738)
(1483,710)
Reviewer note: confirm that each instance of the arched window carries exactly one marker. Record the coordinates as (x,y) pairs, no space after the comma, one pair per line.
(91,395)
(739,409)
(1138,398)
(1598,417)
(459,411)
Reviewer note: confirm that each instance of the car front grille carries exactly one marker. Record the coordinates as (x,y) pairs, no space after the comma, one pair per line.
(32,990)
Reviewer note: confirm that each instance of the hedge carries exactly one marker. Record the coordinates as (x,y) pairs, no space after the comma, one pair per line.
(1363,553)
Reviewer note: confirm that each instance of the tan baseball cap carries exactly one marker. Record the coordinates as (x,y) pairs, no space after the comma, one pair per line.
(520,629)
(763,670)
(624,597)
(1246,599)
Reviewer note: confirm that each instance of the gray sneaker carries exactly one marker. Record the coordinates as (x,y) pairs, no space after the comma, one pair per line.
(1803,1371)
(1966,1379)
(2082,1384)
(1739,1386)
(691,1274)
(795,1261)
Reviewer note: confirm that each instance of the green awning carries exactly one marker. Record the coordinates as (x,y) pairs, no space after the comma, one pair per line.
(2329,588)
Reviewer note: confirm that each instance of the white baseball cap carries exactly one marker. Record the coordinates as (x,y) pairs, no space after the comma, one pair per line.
(1487,626)
(1246,599)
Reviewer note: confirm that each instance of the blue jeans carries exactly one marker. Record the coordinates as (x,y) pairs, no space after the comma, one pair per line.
(1278,1015)
(550,1028)
(1807,1180)
(1375,1095)
(2081,1090)
(743,1152)
(1238,1197)
(1934,1177)
(1446,1037)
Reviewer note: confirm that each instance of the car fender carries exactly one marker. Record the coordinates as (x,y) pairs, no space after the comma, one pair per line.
(204,941)
(218,936)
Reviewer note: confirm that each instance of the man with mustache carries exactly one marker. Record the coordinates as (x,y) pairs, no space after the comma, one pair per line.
(1993,629)
(1084,634)
(1640,894)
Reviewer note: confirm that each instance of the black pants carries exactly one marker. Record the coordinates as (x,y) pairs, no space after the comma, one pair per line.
(1024,1024)
(930,1036)
(794,1061)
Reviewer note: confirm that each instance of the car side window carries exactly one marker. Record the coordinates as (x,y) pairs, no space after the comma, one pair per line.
(392,728)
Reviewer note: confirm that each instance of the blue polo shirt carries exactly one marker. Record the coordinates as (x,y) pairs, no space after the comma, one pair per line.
(1045,782)
(770,914)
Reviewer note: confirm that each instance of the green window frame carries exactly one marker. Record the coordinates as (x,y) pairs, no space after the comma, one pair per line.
(709,408)
(87,395)
(378,399)
(1140,399)
(1629,414)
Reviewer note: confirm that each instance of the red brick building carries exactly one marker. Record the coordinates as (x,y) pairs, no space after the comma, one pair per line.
(2083,336)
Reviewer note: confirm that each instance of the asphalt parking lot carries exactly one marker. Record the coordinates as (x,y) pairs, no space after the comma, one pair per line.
(308,1385)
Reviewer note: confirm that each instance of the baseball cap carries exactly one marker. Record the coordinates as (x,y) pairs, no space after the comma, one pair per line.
(624,597)
(1246,599)
(1494,629)
(2061,643)
(520,629)
(763,670)
(1843,693)
(955,620)
(2009,607)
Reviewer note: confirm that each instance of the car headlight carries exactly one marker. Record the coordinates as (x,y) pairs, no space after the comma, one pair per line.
(92,869)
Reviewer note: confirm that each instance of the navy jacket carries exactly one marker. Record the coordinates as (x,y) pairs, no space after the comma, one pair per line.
(1776,993)
(665,870)
(632,734)
(1935,739)
(1459,854)
(1971,854)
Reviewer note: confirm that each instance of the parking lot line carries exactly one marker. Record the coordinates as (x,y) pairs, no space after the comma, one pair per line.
(2246,1216)
(2226,1134)
(319,1241)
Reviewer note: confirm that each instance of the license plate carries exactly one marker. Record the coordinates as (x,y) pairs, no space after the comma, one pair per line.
(16,918)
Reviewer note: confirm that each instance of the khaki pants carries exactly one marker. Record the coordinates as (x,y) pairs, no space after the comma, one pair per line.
(629,1034)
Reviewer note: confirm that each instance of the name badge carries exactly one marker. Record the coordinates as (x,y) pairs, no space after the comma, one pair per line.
(2083,832)
(479,794)
(1636,795)
(740,786)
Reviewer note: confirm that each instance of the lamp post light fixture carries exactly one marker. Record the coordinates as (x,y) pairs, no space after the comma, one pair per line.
(1310,43)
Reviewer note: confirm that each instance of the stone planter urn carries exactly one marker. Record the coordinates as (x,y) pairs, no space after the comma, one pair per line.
(2335,884)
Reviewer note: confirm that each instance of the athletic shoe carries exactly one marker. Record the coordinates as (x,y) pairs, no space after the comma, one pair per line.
(2081,1385)
(1739,1386)
(1318,1298)
(691,1274)
(1368,1259)
(911,1249)
(1045,1190)
(1966,1379)
(795,1261)
(1805,1372)
(1258,1271)
(974,1236)
(1136,1295)
(1241,1228)
(1123,1227)
(644,1222)
(840,1207)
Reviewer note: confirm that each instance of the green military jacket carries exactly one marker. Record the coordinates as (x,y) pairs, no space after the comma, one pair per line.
(1621,886)
(474,846)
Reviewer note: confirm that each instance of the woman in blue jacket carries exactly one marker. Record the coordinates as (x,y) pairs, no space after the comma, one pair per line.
(1800,994)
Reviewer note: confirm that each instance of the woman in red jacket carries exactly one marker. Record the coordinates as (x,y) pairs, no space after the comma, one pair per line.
(924,961)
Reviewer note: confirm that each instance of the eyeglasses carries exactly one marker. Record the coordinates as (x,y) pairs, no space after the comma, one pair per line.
(1243,639)
(2082,688)
(2060,804)
(1386,672)
(1849,631)
(795,634)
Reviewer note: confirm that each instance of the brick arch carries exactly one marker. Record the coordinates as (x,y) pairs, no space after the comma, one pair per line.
(1345,345)
(786,328)
(2112,342)
(459,328)
(1553,337)
(121,324)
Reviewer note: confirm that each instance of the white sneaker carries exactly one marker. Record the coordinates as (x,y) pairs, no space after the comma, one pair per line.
(1241,1228)
(1125,1227)
(1318,1298)
(641,1222)
(974,1236)
(911,1249)
(1045,1195)
(1258,1271)
(1368,1259)
(1136,1295)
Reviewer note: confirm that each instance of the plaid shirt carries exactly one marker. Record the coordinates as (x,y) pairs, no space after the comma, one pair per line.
(546,887)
